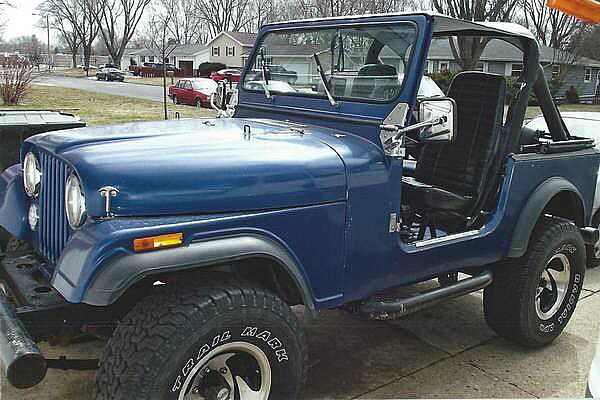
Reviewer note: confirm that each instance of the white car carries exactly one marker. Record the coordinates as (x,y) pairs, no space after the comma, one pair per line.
(593,386)
(586,125)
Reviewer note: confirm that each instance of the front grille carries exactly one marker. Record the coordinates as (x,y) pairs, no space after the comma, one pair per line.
(53,227)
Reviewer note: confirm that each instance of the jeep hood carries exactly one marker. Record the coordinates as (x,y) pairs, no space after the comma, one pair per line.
(200,165)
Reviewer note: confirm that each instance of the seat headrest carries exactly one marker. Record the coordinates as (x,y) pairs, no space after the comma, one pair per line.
(377,70)
(484,80)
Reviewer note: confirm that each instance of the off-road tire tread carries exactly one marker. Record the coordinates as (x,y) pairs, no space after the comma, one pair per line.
(506,299)
(155,320)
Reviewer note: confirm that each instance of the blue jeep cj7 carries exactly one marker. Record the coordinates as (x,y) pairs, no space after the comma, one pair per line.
(187,242)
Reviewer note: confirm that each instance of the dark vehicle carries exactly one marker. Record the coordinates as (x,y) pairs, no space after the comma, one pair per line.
(187,242)
(280,73)
(196,91)
(169,67)
(110,74)
(107,65)
(273,72)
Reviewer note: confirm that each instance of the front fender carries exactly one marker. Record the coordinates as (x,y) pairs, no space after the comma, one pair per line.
(14,203)
(98,262)
(124,271)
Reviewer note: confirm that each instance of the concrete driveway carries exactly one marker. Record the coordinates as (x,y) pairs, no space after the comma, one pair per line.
(145,92)
(447,351)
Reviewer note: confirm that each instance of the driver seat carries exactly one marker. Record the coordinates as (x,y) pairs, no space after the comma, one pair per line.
(451,177)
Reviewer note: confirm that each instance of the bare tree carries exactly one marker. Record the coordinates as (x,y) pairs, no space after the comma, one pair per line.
(118,20)
(78,15)
(551,27)
(224,15)
(467,50)
(3,5)
(158,31)
(68,35)
(185,25)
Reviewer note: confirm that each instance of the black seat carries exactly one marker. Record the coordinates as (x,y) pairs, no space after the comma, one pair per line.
(452,176)
(376,81)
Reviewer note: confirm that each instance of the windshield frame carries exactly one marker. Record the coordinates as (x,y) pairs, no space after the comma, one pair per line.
(332,25)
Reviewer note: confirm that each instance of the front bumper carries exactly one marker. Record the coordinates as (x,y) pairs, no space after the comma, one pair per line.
(24,297)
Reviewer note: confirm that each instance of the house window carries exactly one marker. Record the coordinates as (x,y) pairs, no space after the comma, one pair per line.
(481,67)
(516,70)
(216,51)
(166,60)
(150,58)
(230,51)
(142,59)
(587,74)
(426,68)
(443,66)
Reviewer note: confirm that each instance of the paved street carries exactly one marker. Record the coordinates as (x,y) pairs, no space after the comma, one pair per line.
(447,351)
(145,92)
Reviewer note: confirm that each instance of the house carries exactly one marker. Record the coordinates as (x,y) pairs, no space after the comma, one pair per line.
(185,56)
(231,48)
(500,57)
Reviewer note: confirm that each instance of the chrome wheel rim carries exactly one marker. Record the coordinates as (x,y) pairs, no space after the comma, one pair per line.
(552,286)
(234,371)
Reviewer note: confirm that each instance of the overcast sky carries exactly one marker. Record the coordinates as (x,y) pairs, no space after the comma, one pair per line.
(19,20)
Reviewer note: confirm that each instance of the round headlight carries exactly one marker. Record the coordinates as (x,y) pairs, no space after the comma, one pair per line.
(33,217)
(32,175)
(74,202)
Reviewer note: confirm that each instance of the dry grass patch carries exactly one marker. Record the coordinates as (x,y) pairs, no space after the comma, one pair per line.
(102,109)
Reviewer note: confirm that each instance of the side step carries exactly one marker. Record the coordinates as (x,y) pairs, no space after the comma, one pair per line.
(399,307)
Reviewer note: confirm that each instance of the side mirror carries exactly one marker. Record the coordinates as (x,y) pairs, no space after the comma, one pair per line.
(442,112)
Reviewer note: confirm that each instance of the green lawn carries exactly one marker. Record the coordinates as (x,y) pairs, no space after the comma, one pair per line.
(101,109)
(535,111)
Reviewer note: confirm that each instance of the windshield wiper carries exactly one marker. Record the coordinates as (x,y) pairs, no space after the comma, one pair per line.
(264,73)
(324,79)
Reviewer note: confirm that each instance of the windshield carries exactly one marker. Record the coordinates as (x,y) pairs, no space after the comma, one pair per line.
(361,63)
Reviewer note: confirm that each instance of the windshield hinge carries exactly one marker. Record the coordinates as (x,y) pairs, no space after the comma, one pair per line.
(394,225)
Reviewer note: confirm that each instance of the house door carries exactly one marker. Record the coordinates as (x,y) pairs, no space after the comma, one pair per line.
(187,67)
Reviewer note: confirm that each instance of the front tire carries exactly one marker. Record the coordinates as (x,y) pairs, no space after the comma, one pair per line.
(226,339)
(533,297)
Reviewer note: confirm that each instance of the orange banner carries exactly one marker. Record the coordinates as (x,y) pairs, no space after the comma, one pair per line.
(586,10)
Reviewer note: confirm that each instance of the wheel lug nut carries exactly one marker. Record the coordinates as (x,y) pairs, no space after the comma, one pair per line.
(223,370)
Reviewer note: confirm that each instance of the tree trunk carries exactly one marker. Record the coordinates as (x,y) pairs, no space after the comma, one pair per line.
(74,58)
(87,54)
(165,86)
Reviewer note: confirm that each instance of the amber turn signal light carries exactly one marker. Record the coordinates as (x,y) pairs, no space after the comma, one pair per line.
(585,10)
(157,242)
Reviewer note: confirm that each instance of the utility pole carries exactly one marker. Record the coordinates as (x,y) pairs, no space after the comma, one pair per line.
(48,32)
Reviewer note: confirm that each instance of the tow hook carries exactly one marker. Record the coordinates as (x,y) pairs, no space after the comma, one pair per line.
(590,235)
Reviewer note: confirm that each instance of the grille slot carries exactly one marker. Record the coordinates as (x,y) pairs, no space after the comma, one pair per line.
(53,229)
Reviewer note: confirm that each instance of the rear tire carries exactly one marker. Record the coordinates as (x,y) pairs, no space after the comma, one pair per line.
(175,101)
(532,298)
(198,103)
(206,340)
